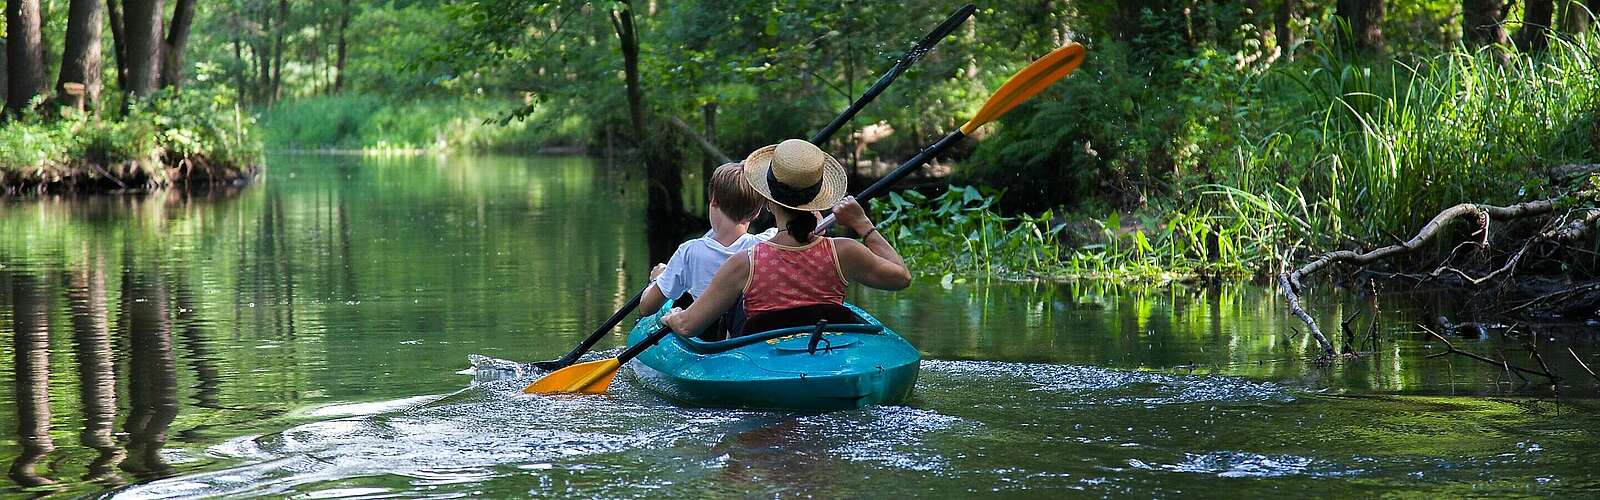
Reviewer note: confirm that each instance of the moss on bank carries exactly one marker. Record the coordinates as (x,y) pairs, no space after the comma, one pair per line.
(185,138)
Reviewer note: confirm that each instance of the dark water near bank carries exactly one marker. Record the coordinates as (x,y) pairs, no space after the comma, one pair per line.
(305,337)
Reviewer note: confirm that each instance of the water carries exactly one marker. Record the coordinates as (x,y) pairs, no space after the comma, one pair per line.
(309,336)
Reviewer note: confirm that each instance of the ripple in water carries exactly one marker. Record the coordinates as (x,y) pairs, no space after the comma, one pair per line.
(632,440)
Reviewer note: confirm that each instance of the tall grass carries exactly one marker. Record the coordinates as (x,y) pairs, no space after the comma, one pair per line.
(1382,148)
(1298,157)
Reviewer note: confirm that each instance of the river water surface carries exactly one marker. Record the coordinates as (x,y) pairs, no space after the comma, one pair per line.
(309,336)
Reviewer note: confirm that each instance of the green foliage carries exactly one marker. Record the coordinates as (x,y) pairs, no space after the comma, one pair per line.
(364,122)
(1280,157)
(959,232)
(163,130)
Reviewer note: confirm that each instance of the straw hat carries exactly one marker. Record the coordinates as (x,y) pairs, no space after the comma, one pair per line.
(796,174)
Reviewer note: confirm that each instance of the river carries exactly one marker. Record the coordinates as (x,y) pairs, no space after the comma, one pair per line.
(309,336)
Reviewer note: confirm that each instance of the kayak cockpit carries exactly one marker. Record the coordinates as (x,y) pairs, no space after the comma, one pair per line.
(698,346)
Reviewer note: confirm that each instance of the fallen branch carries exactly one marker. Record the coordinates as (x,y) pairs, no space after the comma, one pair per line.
(1581,363)
(1510,368)
(705,144)
(1289,282)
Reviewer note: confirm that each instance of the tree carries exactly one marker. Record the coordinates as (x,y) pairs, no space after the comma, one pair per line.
(338,67)
(1577,18)
(24,54)
(1283,28)
(80,53)
(177,40)
(119,39)
(1482,22)
(142,28)
(276,87)
(1365,18)
(664,215)
(1537,16)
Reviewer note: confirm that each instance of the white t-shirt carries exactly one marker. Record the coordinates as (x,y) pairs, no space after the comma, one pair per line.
(696,261)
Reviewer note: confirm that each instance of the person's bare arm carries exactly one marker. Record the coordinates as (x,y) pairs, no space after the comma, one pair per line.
(653,298)
(873,261)
(720,295)
(651,301)
(874,264)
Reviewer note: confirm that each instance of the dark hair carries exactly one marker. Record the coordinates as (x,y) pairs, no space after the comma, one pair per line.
(801,223)
(733,194)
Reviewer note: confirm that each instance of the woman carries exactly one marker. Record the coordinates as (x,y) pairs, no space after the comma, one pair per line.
(796,278)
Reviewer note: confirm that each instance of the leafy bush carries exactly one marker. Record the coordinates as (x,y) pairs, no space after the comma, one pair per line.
(365,122)
(1278,157)
(167,127)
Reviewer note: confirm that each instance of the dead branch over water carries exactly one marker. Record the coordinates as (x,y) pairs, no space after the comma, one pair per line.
(1478,265)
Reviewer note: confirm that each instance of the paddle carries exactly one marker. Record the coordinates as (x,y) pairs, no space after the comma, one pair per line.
(595,376)
(910,57)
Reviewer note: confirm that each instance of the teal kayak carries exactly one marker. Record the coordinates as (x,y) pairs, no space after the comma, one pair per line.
(852,365)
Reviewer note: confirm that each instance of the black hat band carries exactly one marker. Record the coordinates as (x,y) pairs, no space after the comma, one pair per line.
(783,193)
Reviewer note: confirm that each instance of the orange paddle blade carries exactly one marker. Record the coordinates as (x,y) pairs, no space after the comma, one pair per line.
(585,378)
(1027,83)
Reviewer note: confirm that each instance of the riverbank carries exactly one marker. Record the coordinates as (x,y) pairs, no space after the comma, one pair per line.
(185,139)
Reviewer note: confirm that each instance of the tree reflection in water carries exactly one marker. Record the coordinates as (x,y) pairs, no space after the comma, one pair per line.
(152,379)
(97,370)
(31,327)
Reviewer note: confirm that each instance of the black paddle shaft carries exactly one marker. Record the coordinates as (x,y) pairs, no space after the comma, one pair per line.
(572,357)
(631,352)
(910,57)
(900,172)
(922,47)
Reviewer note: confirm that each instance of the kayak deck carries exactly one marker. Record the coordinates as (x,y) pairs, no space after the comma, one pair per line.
(854,365)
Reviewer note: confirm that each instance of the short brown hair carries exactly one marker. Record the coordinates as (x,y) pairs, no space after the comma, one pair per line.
(732,193)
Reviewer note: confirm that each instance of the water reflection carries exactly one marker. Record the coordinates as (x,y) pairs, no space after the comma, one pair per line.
(184,325)
(31,326)
(97,370)
(152,374)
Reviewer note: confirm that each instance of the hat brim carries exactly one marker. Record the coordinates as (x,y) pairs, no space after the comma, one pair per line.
(835,182)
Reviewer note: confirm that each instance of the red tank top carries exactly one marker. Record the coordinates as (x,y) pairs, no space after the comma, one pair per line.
(783,277)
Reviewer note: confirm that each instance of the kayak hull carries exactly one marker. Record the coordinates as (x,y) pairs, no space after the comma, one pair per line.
(850,369)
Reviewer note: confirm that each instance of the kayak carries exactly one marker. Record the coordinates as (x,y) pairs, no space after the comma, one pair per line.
(843,366)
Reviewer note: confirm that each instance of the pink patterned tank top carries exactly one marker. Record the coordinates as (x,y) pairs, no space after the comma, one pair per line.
(783,277)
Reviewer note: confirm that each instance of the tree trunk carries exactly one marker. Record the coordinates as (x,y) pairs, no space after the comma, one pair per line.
(709,166)
(338,65)
(664,214)
(277,50)
(172,65)
(24,54)
(142,24)
(1575,18)
(1283,28)
(119,43)
(1536,18)
(1482,22)
(239,65)
(1365,18)
(80,53)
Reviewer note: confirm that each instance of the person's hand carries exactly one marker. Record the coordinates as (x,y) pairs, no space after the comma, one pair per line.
(655,272)
(850,214)
(674,319)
